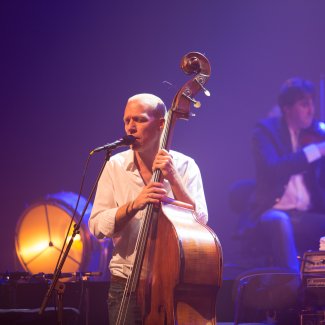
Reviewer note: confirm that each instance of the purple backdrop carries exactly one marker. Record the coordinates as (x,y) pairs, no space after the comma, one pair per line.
(68,68)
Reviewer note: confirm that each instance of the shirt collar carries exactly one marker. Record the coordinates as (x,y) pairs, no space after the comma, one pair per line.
(129,161)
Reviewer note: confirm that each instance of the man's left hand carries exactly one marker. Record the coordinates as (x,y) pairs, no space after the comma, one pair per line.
(164,162)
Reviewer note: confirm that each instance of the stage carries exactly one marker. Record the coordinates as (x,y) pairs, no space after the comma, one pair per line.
(84,302)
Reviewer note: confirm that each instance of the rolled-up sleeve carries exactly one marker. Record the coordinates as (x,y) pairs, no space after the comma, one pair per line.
(194,185)
(102,219)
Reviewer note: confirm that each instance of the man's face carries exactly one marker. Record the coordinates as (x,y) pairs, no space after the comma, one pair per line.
(300,115)
(140,122)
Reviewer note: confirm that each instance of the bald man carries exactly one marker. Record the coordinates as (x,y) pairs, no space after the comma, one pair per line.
(125,188)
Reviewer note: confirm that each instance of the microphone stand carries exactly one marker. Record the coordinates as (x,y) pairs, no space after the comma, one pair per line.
(59,286)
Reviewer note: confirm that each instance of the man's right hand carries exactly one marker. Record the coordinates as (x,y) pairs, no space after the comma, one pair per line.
(151,193)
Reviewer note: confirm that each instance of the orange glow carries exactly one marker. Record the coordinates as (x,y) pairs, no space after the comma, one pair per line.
(39,238)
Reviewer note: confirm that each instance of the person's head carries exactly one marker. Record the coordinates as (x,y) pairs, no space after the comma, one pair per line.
(296,100)
(144,118)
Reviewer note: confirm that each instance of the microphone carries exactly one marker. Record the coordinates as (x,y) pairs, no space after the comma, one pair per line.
(125,141)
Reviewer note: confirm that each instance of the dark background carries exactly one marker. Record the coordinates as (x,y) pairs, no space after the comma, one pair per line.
(67,69)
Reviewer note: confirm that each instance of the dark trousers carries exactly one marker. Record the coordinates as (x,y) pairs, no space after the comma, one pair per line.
(115,294)
(291,233)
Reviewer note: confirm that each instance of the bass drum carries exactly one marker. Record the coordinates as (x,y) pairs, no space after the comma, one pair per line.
(42,228)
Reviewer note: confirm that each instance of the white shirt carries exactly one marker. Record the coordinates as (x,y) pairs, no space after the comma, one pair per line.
(120,183)
(296,195)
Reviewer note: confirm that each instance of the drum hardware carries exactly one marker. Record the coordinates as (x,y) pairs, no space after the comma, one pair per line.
(13,276)
(74,276)
(25,277)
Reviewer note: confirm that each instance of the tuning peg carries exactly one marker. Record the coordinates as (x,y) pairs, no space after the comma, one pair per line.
(206,91)
(196,103)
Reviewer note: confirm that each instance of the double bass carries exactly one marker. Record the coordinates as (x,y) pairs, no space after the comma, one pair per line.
(177,269)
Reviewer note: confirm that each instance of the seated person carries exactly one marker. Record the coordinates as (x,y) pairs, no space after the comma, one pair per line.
(289,204)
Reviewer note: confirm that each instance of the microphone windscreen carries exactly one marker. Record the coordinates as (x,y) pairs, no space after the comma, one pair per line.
(129,139)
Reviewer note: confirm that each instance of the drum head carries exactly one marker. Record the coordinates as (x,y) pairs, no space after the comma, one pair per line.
(41,231)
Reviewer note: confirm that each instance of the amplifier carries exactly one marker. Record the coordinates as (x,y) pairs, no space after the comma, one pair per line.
(313,263)
(313,283)
(312,318)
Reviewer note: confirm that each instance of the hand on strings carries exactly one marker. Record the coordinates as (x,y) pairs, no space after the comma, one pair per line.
(151,193)
(164,162)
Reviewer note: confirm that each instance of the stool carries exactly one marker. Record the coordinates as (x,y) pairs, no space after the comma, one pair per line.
(266,290)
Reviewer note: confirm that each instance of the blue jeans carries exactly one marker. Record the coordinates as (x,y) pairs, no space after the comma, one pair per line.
(115,295)
(291,233)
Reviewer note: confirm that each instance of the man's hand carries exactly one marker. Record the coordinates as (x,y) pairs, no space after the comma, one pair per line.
(151,193)
(164,162)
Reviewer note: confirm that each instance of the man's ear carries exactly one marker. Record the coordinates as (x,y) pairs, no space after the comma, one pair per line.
(161,123)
